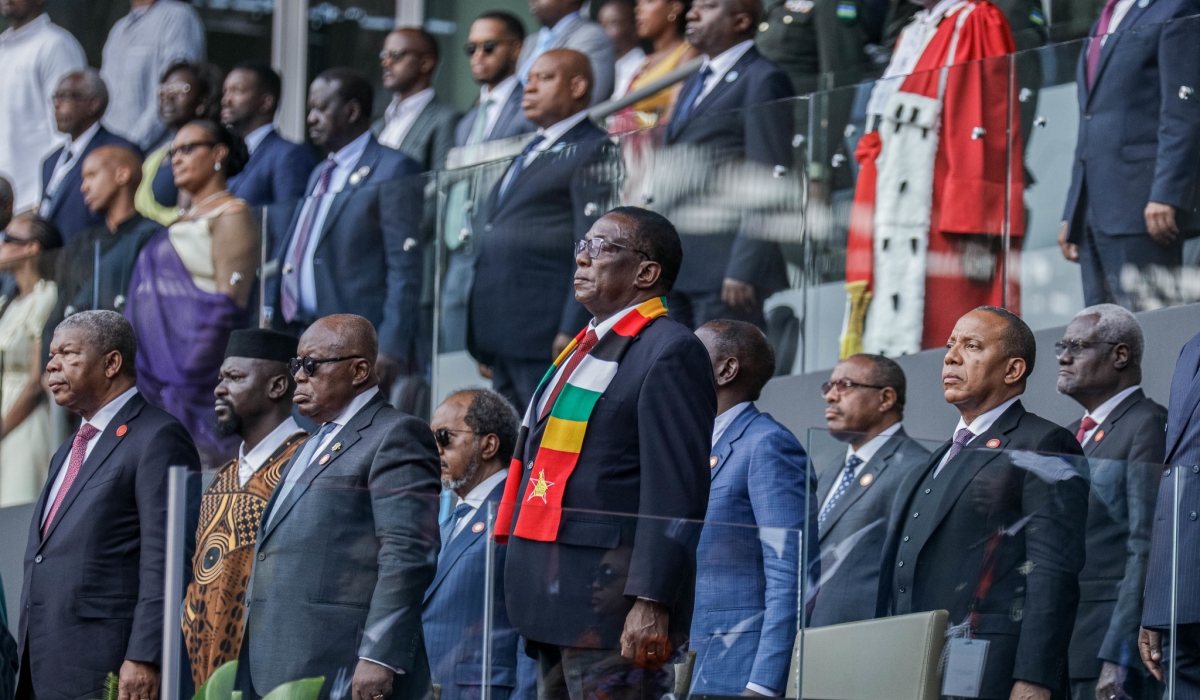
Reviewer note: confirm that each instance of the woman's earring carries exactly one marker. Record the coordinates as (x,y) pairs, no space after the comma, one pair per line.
(217,167)
(671,17)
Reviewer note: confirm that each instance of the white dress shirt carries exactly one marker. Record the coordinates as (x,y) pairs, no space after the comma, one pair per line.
(549,137)
(250,462)
(978,427)
(477,497)
(600,331)
(865,453)
(1104,410)
(720,66)
(99,421)
(346,160)
(543,42)
(401,115)
(726,419)
(66,160)
(499,97)
(909,47)
(1119,11)
(627,68)
(255,138)
(33,59)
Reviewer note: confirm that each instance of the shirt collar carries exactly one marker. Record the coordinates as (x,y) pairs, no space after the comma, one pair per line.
(356,405)
(80,144)
(260,453)
(35,25)
(724,61)
(351,152)
(562,23)
(1104,410)
(500,93)
(109,411)
(608,323)
(413,103)
(726,419)
(982,422)
(484,488)
(557,131)
(255,138)
(868,450)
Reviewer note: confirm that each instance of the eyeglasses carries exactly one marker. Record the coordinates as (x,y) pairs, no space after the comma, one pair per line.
(6,237)
(174,90)
(309,365)
(187,148)
(397,56)
(844,385)
(64,95)
(442,436)
(593,247)
(488,47)
(1075,346)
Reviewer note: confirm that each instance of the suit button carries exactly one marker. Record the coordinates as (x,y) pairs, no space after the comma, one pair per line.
(487,227)
(38,558)
(316,261)
(262,557)
(903,589)
(915,514)
(1196,470)
(901,565)
(928,490)
(1167,471)
(1192,515)
(1088,116)
(906,538)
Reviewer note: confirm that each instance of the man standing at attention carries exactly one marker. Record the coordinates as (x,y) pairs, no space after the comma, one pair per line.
(254,402)
(620,425)
(415,122)
(564,26)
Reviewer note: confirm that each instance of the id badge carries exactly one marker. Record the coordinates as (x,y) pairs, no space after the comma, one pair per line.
(965,659)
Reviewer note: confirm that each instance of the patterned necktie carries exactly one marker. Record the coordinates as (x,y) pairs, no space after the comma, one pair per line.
(291,276)
(300,466)
(585,346)
(687,101)
(961,438)
(1084,426)
(479,128)
(519,164)
(1096,43)
(460,511)
(841,488)
(78,449)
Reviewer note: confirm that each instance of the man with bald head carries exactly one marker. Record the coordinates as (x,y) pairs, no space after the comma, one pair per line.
(522,308)
(415,123)
(349,541)
(79,102)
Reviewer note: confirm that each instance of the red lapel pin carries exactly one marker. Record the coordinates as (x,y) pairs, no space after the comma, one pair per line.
(1099,436)
(122,430)
(324,459)
(993,443)
(477,528)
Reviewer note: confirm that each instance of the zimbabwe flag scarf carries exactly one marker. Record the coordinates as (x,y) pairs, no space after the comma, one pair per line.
(541,506)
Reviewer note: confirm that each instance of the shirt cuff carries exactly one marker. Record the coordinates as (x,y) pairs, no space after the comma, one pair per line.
(397,671)
(763,690)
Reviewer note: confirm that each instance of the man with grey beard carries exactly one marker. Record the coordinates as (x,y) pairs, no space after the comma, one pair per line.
(476,434)
(1099,366)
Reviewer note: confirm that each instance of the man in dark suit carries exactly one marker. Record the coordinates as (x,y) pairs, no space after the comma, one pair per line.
(415,122)
(522,310)
(348,542)
(990,530)
(760,479)
(1176,544)
(476,432)
(79,102)
(1133,186)
(864,407)
(1100,366)
(354,245)
(645,453)
(721,111)
(278,169)
(92,603)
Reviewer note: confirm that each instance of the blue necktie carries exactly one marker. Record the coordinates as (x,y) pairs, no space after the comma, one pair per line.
(687,101)
(519,165)
(840,489)
(460,511)
(300,466)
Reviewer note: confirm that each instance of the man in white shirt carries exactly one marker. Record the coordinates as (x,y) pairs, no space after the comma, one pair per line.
(415,122)
(35,54)
(1099,366)
(616,18)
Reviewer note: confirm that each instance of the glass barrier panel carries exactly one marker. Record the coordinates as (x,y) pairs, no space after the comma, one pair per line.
(1170,616)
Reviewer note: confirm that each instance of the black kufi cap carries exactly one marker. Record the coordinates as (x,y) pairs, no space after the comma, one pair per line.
(261,344)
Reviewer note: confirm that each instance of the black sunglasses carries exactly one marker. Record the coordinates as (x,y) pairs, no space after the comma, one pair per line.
(442,436)
(488,47)
(844,385)
(187,148)
(309,365)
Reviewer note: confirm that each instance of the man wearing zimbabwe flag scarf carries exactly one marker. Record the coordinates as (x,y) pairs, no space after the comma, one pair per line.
(605,496)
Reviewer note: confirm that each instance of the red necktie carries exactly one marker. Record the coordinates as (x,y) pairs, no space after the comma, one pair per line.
(1084,426)
(585,346)
(78,450)
(1097,41)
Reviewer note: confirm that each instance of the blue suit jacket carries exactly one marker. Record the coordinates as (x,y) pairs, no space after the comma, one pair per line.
(368,257)
(511,122)
(453,620)
(1183,454)
(67,210)
(746,578)
(278,171)
(1139,139)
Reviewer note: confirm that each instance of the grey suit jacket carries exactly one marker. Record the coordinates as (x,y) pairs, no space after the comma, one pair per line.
(851,537)
(431,136)
(588,38)
(1124,489)
(341,570)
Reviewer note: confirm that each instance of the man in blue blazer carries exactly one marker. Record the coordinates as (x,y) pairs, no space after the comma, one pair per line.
(278,169)
(353,246)
(523,310)
(722,111)
(476,433)
(743,631)
(79,102)
(1134,183)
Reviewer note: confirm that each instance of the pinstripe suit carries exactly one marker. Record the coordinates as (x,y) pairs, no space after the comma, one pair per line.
(746,584)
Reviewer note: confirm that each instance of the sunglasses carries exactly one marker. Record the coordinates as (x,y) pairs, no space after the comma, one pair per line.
(443,436)
(593,247)
(187,148)
(396,56)
(309,365)
(1075,347)
(488,47)
(844,385)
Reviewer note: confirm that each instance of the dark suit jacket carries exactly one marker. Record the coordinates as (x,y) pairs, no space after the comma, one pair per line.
(277,171)
(341,569)
(1124,477)
(1139,135)
(368,258)
(645,454)
(1028,511)
(431,136)
(511,122)
(851,538)
(93,593)
(67,210)
(1183,456)
(523,293)
(734,123)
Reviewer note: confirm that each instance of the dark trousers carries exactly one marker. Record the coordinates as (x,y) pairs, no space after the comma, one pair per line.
(569,673)
(1121,269)
(694,309)
(1182,656)
(516,379)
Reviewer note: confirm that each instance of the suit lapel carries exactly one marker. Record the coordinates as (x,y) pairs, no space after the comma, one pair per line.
(724,85)
(1110,44)
(733,433)
(511,107)
(1182,401)
(873,468)
(470,534)
(419,130)
(561,37)
(1122,408)
(368,159)
(567,140)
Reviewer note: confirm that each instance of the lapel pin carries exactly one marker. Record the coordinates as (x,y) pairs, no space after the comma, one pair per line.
(409,244)
(712,462)
(866,480)
(324,459)
(336,446)
(477,528)
(1099,436)
(993,443)
(731,76)
(122,430)
(359,174)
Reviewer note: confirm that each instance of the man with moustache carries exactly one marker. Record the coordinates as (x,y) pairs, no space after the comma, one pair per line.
(348,543)
(254,402)
(989,530)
